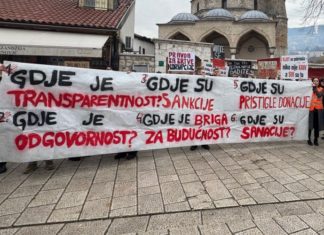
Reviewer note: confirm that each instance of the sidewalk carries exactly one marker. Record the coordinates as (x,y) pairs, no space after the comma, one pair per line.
(161,183)
(299,218)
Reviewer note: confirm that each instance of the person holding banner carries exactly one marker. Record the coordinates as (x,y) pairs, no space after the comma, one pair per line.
(3,165)
(204,146)
(316,114)
(127,155)
(32,166)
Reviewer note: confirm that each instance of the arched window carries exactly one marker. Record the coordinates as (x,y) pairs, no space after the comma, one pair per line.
(179,36)
(255,4)
(224,3)
(198,8)
(221,48)
(252,45)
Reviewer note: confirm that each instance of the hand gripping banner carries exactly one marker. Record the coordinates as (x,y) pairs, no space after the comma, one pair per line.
(52,112)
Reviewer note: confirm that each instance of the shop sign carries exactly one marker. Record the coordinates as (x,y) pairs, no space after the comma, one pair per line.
(12,49)
(50,51)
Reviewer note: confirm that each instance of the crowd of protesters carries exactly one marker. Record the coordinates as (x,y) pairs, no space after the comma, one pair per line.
(316,123)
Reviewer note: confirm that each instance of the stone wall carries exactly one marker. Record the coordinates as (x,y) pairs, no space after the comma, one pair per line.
(163,47)
(127,61)
(244,51)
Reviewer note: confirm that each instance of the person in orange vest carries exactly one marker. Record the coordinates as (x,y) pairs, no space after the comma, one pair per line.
(316,113)
(322,85)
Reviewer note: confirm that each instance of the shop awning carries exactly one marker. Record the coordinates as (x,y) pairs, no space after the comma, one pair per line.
(46,43)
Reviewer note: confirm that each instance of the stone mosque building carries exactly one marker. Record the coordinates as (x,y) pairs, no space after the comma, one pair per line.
(229,29)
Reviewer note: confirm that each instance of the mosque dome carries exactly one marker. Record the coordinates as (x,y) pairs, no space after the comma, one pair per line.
(184,18)
(254,16)
(219,13)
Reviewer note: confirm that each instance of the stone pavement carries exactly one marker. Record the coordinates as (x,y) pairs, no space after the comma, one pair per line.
(298,218)
(263,188)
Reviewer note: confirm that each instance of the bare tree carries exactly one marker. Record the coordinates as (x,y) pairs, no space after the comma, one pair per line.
(313,10)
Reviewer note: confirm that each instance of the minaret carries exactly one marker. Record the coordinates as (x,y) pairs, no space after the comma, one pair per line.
(197,5)
(200,5)
(277,10)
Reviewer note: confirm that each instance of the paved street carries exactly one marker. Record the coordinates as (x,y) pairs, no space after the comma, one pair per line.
(262,188)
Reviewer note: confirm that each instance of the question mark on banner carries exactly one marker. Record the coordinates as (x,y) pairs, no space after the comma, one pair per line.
(159,100)
(293,129)
(132,138)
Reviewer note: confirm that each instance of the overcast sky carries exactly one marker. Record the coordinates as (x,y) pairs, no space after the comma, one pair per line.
(151,12)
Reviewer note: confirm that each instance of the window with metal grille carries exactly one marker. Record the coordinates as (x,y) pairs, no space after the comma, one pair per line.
(141,68)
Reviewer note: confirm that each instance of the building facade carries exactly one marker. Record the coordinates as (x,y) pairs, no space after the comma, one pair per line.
(141,58)
(80,33)
(237,29)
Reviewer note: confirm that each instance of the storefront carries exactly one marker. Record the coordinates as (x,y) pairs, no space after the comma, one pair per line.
(55,48)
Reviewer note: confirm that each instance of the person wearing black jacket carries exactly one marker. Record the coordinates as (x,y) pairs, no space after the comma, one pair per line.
(200,71)
(316,113)
(127,155)
(3,167)
(322,85)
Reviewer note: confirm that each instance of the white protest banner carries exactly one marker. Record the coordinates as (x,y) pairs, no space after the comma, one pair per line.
(268,68)
(181,61)
(224,72)
(52,112)
(220,67)
(294,67)
(208,69)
